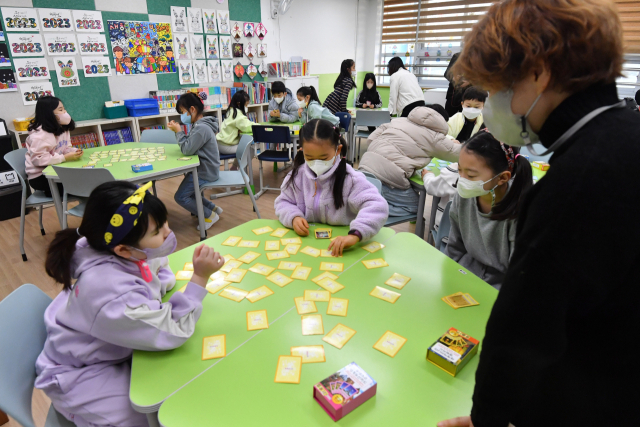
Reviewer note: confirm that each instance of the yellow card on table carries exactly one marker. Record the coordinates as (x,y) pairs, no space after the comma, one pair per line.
(373,247)
(214,347)
(338,307)
(311,251)
(330,285)
(316,295)
(249,257)
(312,324)
(385,294)
(184,275)
(230,265)
(326,253)
(375,263)
(259,293)
(188,266)
(249,244)
(257,320)
(289,369)
(217,284)
(106,165)
(301,273)
(289,265)
(459,300)
(233,294)
(280,232)
(231,241)
(277,255)
(309,353)
(323,276)
(339,335)
(295,240)
(390,343)
(279,279)
(236,275)
(292,248)
(397,281)
(182,288)
(305,307)
(265,270)
(331,266)
(272,245)
(262,230)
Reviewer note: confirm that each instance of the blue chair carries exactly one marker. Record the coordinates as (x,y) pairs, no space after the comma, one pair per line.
(158,136)
(22,338)
(540,149)
(441,236)
(368,118)
(392,220)
(345,121)
(375,181)
(224,158)
(272,135)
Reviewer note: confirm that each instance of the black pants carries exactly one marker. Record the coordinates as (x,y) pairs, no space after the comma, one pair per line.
(408,108)
(41,183)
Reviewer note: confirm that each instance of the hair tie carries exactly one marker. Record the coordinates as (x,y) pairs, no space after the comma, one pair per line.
(508,151)
(517,155)
(78,231)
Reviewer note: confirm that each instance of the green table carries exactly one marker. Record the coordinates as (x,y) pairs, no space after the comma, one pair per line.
(189,392)
(122,171)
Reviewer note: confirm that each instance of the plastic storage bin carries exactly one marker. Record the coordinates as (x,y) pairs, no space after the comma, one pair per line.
(142,107)
(21,124)
(115,112)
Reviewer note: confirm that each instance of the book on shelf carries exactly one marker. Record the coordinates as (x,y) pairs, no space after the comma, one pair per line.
(85,140)
(117,136)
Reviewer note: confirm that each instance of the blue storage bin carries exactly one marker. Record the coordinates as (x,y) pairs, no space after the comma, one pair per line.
(142,107)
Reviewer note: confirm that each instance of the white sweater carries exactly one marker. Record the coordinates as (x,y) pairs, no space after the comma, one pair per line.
(442,186)
(404,90)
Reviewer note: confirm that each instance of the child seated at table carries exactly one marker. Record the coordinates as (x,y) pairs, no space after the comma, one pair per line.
(201,140)
(118,257)
(323,188)
(494,178)
(369,96)
(443,186)
(235,123)
(283,107)
(310,107)
(464,125)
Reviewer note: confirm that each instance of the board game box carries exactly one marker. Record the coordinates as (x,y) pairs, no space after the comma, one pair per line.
(452,351)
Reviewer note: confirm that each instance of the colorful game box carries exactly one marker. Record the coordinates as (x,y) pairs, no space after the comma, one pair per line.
(344,391)
(142,167)
(452,351)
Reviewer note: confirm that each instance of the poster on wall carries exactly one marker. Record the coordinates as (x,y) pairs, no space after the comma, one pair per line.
(96,66)
(225,47)
(31,91)
(88,21)
(197,46)
(223,22)
(185,72)
(227,70)
(182,46)
(25,45)
(212,47)
(262,50)
(210,24)
(61,44)
(32,69)
(178,19)
(5,59)
(214,71)
(92,44)
(7,81)
(142,47)
(67,71)
(195,20)
(55,19)
(200,71)
(20,19)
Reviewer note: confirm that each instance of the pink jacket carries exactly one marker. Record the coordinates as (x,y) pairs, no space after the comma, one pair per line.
(44,149)
(364,210)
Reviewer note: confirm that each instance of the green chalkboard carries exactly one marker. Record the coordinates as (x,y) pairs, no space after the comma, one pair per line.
(83,102)
(245,10)
(163,7)
(66,4)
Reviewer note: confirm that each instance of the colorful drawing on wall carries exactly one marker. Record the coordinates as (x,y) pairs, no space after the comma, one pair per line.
(8,81)
(31,69)
(178,19)
(92,44)
(210,24)
(185,72)
(227,71)
(236,31)
(212,47)
(214,71)
(225,47)
(96,66)
(197,46)
(238,50)
(5,59)
(56,19)
(223,22)
(25,45)
(61,44)
(262,50)
(182,46)
(262,69)
(250,51)
(67,71)
(31,91)
(142,47)
(261,31)
(20,19)
(238,70)
(252,71)
(88,21)
(200,71)
(249,29)
(195,20)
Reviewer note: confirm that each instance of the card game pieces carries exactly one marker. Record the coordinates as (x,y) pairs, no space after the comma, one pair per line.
(316,295)
(375,263)
(324,275)
(231,241)
(216,285)
(459,300)
(230,265)
(323,233)
(233,294)
(288,265)
(301,273)
(338,307)
(397,281)
(452,351)
(279,279)
(385,294)
(305,307)
(312,324)
(343,391)
(373,247)
(272,245)
(236,275)
(390,343)
(311,251)
(259,293)
(183,288)
(262,230)
(295,240)
(326,253)
(184,275)
(214,347)
(289,369)
(277,255)
(257,320)
(249,257)
(309,353)
(330,285)
(249,244)
(280,232)
(265,270)
(339,336)
(331,266)
(292,248)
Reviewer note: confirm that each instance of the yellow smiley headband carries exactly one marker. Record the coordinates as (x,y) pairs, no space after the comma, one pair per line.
(126,217)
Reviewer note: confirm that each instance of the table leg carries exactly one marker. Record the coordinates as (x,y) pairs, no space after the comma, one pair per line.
(152,419)
(420,219)
(196,188)
(250,163)
(435,201)
(57,201)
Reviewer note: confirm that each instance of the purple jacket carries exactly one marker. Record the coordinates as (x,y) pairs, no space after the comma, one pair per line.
(364,210)
(110,312)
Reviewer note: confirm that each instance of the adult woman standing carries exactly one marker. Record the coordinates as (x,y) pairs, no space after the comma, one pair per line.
(405,92)
(337,100)
(550,67)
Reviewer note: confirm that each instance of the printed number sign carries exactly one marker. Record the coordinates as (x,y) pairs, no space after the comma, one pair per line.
(31,69)
(92,44)
(67,71)
(20,19)
(32,91)
(26,45)
(55,19)
(61,44)
(88,21)
(96,66)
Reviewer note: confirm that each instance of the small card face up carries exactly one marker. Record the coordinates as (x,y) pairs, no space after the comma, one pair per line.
(280,232)
(257,320)
(249,244)
(231,241)
(330,285)
(292,248)
(301,273)
(214,347)
(188,266)
(249,257)
(289,265)
(289,369)
(277,255)
(397,281)
(311,251)
(339,335)
(216,285)
(233,294)
(338,307)
(230,265)
(305,307)
(316,295)
(390,343)
(323,233)
(265,270)
(184,275)
(375,263)
(309,353)
(272,245)
(373,247)
(324,275)
(384,294)
(262,230)
(295,240)
(259,293)
(236,275)
(459,300)
(331,266)
(279,279)
(326,253)
(312,324)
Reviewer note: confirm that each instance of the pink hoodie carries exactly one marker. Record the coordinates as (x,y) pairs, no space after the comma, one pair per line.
(44,149)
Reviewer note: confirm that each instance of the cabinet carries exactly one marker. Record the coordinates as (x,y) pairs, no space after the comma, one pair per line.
(294,83)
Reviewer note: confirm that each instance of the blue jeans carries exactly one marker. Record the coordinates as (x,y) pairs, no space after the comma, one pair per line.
(401,202)
(186,197)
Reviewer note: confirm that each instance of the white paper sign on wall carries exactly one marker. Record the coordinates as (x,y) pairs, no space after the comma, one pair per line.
(195,20)
(67,71)
(31,91)
(96,66)
(55,19)
(32,69)
(185,70)
(61,44)
(88,21)
(92,44)
(178,19)
(20,19)
(210,23)
(25,45)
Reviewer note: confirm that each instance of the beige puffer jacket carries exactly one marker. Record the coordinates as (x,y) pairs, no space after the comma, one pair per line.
(398,148)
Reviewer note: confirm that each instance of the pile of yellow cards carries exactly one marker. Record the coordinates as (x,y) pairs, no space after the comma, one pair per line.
(257,320)
(289,369)
(459,300)
(390,343)
(339,335)
(384,294)
(214,347)
(262,230)
(188,266)
(309,353)
(312,324)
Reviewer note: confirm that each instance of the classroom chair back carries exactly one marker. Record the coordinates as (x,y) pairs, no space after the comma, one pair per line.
(372,117)
(375,181)
(443,229)
(272,135)
(22,338)
(158,136)
(345,120)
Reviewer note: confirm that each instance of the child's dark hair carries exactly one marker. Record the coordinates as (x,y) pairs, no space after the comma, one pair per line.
(188,100)
(323,131)
(394,65)
(475,94)
(367,77)
(440,109)
(278,87)
(309,90)
(502,157)
(345,73)
(638,97)
(238,101)
(46,118)
(102,204)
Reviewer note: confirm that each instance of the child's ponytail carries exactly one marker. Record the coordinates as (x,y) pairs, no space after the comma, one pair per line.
(59,254)
(310,91)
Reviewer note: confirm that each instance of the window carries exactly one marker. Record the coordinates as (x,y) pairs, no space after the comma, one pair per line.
(629,11)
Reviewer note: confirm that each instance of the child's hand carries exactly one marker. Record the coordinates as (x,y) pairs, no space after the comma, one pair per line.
(206,261)
(300,226)
(69,157)
(299,112)
(341,243)
(174,126)
(426,171)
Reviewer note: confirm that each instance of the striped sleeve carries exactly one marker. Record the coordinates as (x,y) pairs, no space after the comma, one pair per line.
(337,100)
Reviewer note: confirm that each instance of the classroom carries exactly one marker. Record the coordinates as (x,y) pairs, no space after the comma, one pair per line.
(315,213)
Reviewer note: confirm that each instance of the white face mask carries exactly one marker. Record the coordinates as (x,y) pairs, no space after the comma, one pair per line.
(370,85)
(279,100)
(471,113)
(354,73)
(246,109)
(468,189)
(321,166)
(302,104)
(504,124)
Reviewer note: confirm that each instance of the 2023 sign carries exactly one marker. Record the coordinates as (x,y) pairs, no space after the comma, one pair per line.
(26,48)
(33,72)
(88,24)
(97,69)
(92,47)
(21,23)
(56,23)
(61,47)
(33,96)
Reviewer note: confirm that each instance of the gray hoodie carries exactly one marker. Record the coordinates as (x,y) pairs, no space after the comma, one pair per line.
(202,141)
(288,109)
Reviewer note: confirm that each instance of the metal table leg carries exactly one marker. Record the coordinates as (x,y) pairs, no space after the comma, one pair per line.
(57,201)
(198,194)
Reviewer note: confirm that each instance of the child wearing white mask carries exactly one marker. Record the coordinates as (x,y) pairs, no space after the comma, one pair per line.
(493,181)
(369,96)
(309,107)
(336,101)
(283,106)
(464,125)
